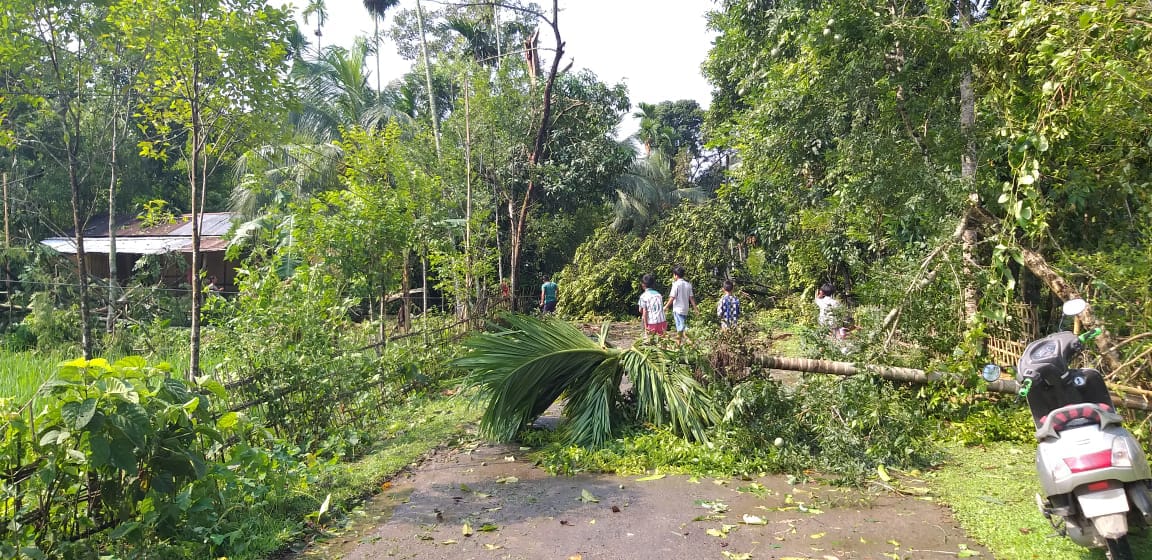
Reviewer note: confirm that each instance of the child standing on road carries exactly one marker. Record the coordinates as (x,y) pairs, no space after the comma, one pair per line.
(728,308)
(680,299)
(652,308)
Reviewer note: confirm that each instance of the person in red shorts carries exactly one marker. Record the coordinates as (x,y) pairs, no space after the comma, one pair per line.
(652,308)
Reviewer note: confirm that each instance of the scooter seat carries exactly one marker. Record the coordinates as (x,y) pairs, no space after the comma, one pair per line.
(1076,415)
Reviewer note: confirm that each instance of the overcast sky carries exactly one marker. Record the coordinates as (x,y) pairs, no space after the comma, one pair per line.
(656,47)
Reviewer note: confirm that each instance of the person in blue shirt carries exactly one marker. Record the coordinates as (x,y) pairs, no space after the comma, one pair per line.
(549,292)
(728,308)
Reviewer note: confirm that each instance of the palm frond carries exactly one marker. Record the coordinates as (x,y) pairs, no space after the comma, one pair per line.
(522,370)
(667,393)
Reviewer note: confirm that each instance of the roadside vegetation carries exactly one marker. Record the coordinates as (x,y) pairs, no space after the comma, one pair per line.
(955,169)
(992,491)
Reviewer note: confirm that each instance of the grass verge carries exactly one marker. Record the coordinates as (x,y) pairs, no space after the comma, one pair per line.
(407,433)
(991,490)
(22,373)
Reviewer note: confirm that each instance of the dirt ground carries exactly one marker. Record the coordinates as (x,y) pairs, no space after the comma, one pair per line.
(517,511)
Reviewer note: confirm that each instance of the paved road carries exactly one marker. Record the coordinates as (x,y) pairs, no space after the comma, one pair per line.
(518,511)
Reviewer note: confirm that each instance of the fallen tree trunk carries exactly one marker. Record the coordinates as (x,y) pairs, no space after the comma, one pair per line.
(845,368)
(1123,397)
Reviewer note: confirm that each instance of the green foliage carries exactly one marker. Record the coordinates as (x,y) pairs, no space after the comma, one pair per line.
(523,370)
(50,326)
(637,449)
(847,426)
(284,337)
(604,277)
(992,420)
(844,119)
(155,212)
(363,234)
(840,429)
(125,447)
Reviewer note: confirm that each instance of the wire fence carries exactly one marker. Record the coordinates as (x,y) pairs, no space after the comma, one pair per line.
(303,401)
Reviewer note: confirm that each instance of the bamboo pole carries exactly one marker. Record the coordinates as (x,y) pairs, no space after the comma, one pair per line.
(1123,397)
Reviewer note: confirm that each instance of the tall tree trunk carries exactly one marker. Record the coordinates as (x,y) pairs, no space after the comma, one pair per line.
(428,78)
(424,293)
(72,142)
(467,203)
(538,146)
(7,263)
(376,35)
(195,180)
(110,320)
(406,289)
(969,237)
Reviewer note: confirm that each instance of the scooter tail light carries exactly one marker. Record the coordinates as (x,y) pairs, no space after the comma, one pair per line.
(1121,455)
(1091,461)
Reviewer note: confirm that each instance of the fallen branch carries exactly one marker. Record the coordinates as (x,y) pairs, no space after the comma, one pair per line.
(1124,397)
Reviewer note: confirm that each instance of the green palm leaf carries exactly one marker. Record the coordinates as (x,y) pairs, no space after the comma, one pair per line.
(667,393)
(522,370)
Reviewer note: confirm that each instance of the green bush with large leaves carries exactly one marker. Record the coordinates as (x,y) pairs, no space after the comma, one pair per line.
(523,369)
(120,457)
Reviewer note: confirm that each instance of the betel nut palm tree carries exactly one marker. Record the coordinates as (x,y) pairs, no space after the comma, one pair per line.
(523,369)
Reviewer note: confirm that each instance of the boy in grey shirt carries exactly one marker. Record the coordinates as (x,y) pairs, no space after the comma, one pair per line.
(680,299)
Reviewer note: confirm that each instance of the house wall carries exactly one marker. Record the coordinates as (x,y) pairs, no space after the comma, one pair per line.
(173,275)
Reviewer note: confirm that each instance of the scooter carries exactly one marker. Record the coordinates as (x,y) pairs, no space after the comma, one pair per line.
(1093,473)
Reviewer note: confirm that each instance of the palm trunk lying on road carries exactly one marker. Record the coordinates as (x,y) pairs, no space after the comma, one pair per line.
(1125,397)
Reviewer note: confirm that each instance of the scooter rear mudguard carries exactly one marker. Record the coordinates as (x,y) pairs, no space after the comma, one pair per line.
(1086,454)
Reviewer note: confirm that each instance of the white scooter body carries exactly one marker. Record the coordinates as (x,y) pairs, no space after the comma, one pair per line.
(1092,472)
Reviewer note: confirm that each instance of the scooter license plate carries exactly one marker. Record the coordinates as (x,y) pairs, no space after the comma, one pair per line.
(1104,502)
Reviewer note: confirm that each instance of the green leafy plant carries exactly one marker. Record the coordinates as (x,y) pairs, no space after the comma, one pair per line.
(120,457)
(523,369)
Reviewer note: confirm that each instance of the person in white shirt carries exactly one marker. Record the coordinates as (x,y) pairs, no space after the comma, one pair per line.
(652,308)
(680,299)
(829,311)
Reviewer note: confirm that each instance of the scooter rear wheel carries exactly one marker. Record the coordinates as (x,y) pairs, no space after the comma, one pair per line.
(1118,549)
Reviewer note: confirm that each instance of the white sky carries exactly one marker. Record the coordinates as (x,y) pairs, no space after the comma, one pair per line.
(656,47)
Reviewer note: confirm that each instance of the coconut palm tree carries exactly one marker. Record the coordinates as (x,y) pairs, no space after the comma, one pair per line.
(647,191)
(523,370)
(334,94)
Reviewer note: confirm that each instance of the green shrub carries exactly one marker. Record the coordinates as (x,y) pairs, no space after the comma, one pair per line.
(51,326)
(839,428)
(21,338)
(122,458)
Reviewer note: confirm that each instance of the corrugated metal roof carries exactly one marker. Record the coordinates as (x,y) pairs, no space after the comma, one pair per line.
(133,239)
(215,223)
(137,245)
(212,223)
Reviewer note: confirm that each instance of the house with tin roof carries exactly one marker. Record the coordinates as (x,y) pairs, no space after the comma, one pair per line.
(135,239)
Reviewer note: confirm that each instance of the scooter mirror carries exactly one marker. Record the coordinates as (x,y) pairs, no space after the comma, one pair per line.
(1075,307)
(990,373)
